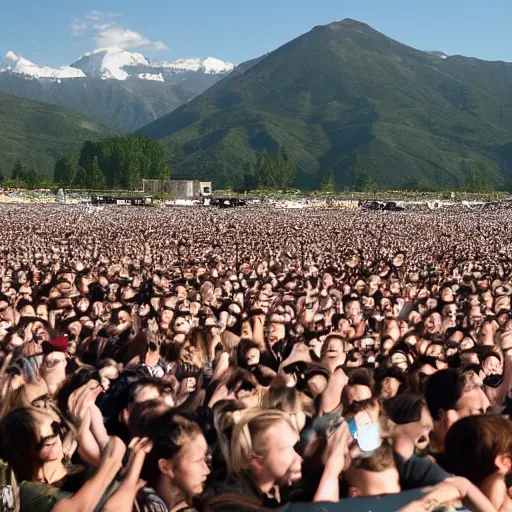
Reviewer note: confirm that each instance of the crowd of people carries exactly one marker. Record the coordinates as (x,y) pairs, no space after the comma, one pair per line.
(165,360)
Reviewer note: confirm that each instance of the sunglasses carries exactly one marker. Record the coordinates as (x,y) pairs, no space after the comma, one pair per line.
(57,431)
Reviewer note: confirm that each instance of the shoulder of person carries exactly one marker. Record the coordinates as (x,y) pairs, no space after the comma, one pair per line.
(149,501)
(40,497)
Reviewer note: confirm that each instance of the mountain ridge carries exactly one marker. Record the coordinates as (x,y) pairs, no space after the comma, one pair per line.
(346,96)
(38,133)
(102,85)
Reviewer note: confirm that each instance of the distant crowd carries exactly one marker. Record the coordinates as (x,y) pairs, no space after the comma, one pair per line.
(166,359)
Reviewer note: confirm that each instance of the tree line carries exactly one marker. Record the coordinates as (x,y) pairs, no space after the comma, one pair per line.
(118,162)
(122,162)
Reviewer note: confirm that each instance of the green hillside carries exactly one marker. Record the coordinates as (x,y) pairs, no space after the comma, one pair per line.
(37,133)
(346,97)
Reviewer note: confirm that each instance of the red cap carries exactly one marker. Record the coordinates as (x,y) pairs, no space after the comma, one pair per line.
(58,345)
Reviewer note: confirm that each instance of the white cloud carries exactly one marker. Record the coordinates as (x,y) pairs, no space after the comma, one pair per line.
(93,15)
(106,32)
(78,28)
(114,35)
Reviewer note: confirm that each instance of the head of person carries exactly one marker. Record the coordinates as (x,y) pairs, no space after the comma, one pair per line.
(263,446)
(373,475)
(53,368)
(411,419)
(359,387)
(453,394)
(30,438)
(141,391)
(296,404)
(248,353)
(390,382)
(480,446)
(178,461)
(333,349)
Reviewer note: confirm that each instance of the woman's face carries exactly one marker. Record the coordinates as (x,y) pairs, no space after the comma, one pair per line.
(334,348)
(42,311)
(277,332)
(316,345)
(190,467)
(252,357)
(83,304)
(182,325)
(124,317)
(492,366)
(49,444)
(190,384)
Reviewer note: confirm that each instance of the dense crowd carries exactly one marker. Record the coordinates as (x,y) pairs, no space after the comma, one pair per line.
(163,360)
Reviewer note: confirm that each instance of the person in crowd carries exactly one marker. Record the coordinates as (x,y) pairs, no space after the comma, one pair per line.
(480,449)
(283,343)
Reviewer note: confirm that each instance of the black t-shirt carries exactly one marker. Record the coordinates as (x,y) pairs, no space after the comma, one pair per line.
(418,472)
(366,504)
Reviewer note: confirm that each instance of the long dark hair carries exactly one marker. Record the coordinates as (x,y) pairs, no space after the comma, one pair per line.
(18,442)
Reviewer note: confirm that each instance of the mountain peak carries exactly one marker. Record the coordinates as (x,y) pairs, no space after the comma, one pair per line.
(17,64)
(349,23)
(108,63)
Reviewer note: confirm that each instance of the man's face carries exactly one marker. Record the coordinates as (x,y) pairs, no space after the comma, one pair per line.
(450,311)
(472,403)
(27,311)
(42,311)
(181,293)
(253,356)
(279,460)
(147,393)
(53,370)
(433,323)
(418,431)
(372,483)
(327,281)
(358,393)
(353,308)
(334,348)
(389,387)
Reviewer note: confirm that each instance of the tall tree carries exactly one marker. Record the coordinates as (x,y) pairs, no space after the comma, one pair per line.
(328,183)
(65,169)
(364,180)
(276,170)
(31,178)
(18,171)
(95,178)
(80,179)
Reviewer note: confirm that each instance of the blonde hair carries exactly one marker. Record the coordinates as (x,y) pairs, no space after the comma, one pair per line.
(246,440)
(226,414)
(289,400)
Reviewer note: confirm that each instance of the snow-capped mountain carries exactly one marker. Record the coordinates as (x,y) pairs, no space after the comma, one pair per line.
(119,64)
(115,64)
(121,89)
(16,64)
(210,66)
(109,63)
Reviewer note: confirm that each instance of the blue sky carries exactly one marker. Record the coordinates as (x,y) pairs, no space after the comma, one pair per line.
(56,32)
